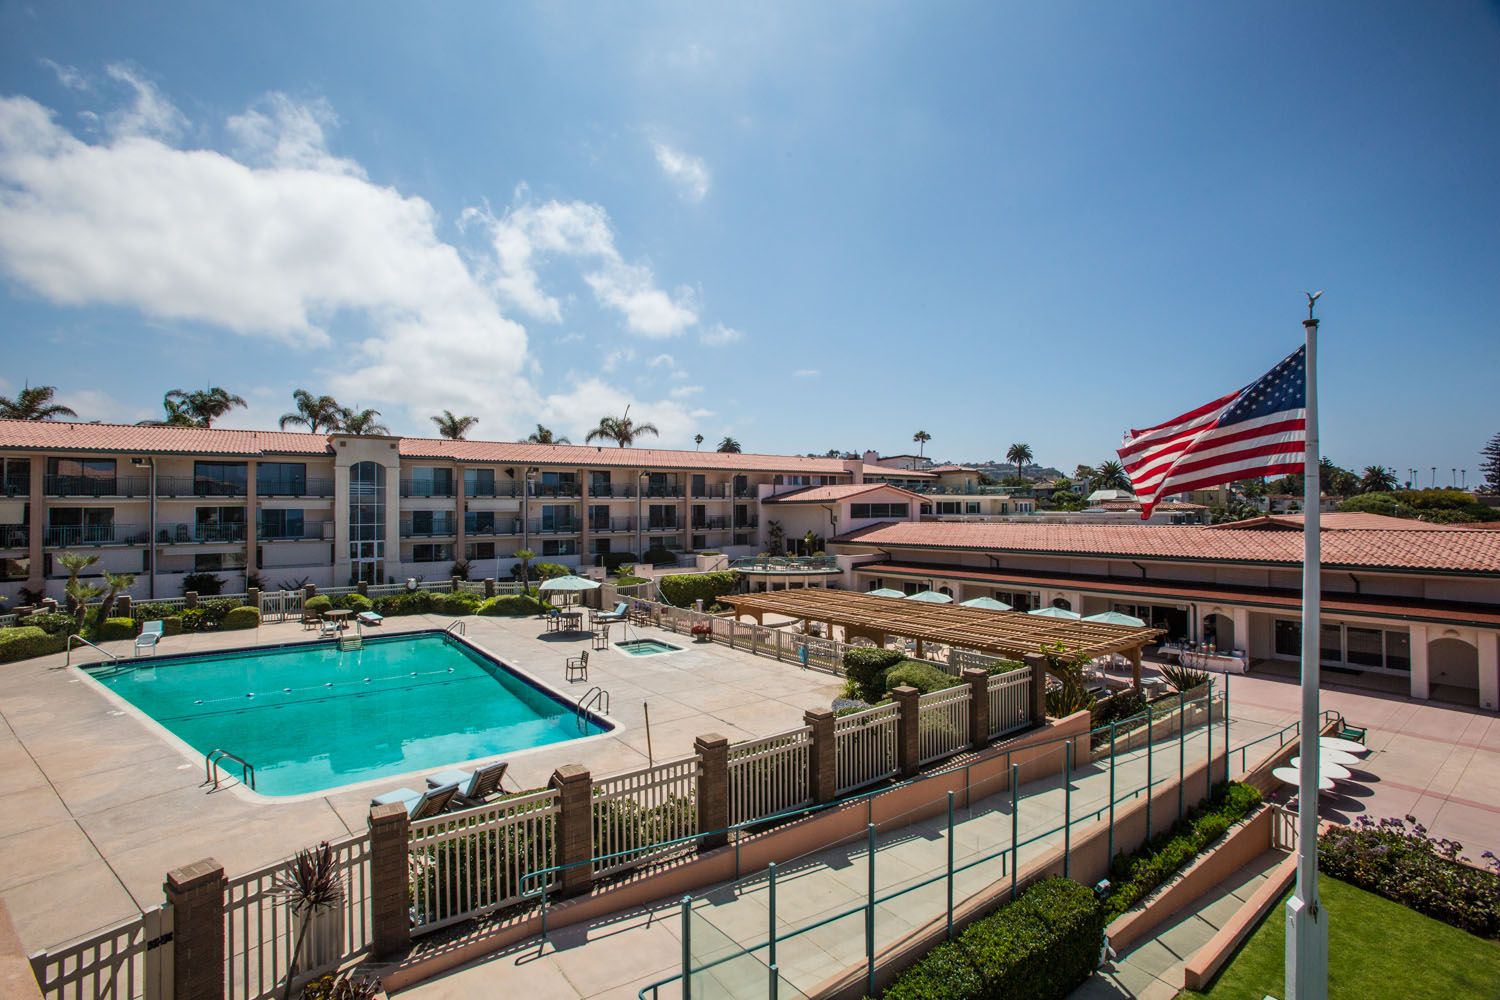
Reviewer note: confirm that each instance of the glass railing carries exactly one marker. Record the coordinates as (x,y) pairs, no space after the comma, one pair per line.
(787,564)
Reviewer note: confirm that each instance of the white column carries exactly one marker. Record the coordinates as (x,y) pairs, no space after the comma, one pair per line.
(1420,685)
(1489,671)
(1241,619)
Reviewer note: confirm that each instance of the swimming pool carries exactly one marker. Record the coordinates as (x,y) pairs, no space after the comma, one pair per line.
(310,717)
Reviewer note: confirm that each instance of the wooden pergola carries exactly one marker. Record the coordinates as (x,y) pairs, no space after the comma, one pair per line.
(1011,634)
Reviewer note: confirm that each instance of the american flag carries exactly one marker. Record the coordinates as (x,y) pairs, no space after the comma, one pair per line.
(1261,430)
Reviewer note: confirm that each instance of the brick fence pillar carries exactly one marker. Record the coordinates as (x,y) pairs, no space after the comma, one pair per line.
(456,583)
(575,827)
(489,586)
(713,789)
(822,756)
(190,599)
(1038,664)
(390,843)
(252,597)
(122,606)
(979,707)
(908,732)
(196,894)
(309,592)
(363,588)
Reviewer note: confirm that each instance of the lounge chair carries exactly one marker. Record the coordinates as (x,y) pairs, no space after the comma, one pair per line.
(328,627)
(577,665)
(617,615)
(419,805)
(475,786)
(151,634)
(370,617)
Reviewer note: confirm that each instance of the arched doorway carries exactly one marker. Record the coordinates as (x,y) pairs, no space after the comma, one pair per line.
(1453,670)
(1218,629)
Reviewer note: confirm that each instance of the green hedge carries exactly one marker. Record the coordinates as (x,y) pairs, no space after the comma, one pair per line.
(865,667)
(353,602)
(318,605)
(1040,947)
(512,606)
(923,676)
(684,588)
(243,617)
(657,556)
(25,641)
(114,629)
(53,623)
(1168,852)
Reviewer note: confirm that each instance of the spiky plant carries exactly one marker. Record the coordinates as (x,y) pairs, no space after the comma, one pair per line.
(310,884)
(1184,678)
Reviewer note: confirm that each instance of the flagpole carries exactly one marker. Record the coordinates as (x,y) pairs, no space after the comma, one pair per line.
(1306,920)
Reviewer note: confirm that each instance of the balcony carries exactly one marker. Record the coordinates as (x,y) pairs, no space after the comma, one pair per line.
(95,534)
(564,527)
(310,531)
(436,529)
(611,491)
(14,536)
(199,534)
(669,491)
(713,491)
(294,487)
(710,524)
(190,486)
(426,488)
(787,564)
(486,491)
(96,486)
(741,523)
(611,525)
(497,527)
(548,491)
(932,489)
(663,526)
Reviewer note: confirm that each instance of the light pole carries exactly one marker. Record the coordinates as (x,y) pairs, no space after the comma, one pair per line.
(1464,481)
(1452,478)
(150,461)
(1434,477)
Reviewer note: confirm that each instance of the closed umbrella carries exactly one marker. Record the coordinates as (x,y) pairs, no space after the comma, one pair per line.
(1116,618)
(885,592)
(1054,613)
(931,597)
(986,604)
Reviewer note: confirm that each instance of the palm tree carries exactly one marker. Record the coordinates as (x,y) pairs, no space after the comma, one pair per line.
(621,430)
(313,412)
(178,415)
(116,583)
(544,435)
(454,428)
(360,422)
(310,884)
(1377,479)
(204,406)
(921,438)
(524,557)
(1020,454)
(1111,475)
(34,403)
(697,441)
(78,593)
(729,445)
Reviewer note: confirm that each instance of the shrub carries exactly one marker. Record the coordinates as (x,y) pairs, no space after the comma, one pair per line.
(171,625)
(612,561)
(866,667)
(243,617)
(1041,946)
(1121,705)
(923,676)
(546,570)
(1005,666)
(195,620)
(216,610)
(1136,875)
(684,588)
(511,606)
(460,603)
(202,584)
(53,623)
(153,612)
(1415,870)
(1184,678)
(629,580)
(116,628)
(1067,699)
(658,556)
(318,605)
(26,641)
(415,602)
(353,602)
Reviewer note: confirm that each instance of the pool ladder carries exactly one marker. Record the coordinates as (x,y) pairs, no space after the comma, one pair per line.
(211,767)
(68,661)
(596,697)
(456,627)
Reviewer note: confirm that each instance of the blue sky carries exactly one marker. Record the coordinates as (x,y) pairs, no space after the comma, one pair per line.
(809,226)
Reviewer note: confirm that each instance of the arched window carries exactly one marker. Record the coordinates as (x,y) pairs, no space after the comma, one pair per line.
(367,521)
(1062,603)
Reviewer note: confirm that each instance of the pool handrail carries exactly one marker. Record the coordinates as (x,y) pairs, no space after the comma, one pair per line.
(456,627)
(69,660)
(211,767)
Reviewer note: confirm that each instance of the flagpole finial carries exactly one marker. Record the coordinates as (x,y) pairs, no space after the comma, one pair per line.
(1312,297)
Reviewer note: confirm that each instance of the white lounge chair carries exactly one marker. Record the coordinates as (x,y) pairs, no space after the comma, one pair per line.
(617,615)
(151,634)
(419,805)
(370,617)
(473,786)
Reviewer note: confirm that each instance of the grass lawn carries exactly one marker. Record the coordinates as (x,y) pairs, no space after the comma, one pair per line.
(1376,948)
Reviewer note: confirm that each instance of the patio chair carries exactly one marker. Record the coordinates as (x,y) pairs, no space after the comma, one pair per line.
(475,786)
(1348,732)
(617,615)
(577,665)
(419,805)
(311,620)
(328,627)
(151,634)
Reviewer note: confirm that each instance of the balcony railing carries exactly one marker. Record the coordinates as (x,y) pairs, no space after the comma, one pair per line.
(491,490)
(310,530)
(662,491)
(95,534)
(713,491)
(96,486)
(787,564)
(426,488)
(14,536)
(663,526)
(15,486)
(746,522)
(190,486)
(294,487)
(933,489)
(710,524)
(554,527)
(606,525)
(436,529)
(611,491)
(499,526)
(567,491)
(199,534)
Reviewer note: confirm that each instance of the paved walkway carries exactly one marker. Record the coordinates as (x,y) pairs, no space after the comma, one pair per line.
(615,958)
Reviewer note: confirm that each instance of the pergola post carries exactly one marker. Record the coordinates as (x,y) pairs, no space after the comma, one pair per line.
(1135,666)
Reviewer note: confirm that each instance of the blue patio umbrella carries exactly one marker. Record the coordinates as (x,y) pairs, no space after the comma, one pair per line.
(931,597)
(1054,613)
(885,592)
(1116,618)
(985,604)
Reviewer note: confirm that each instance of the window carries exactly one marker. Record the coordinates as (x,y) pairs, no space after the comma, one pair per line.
(1356,646)
(661,484)
(950,507)
(1062,604)
(559,547)
(858,511)
(971,507)
(741,486)
(479,550)
(281,524)
(219,524)
(208,562)
(1021,600)
(700,485)
(700,541)
(742,539)
(432,522)
(558,517)
(367,521)
(479,522)
(15,477)
(663,517)
(430,481)
(557,484)
(281,479)
(1365,646)
(428,552)
(599,546)
(80,525)
(479,482)
(220,479)
(599,485)
(80,476)
(599,517)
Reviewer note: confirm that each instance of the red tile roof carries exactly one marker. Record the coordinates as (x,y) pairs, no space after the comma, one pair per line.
(833,494)
(1459,550)
(1344,521)
(521,453)
(48,435)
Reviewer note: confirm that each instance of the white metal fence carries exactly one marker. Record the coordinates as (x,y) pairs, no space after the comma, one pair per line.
(865,747)
(636,811)
(469,863)
(130,961)
(1010,702)
(769,775)
(942,723)
(260,930)
(279,605)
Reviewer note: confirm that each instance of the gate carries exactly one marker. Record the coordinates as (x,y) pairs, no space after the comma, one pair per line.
(279,605)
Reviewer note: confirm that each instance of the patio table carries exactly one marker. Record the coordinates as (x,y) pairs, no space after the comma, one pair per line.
(338,617)
(1345,746)
(1327,769)
(1292,776)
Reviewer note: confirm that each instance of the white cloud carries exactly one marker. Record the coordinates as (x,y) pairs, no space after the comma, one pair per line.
(614,358)
(578,410)
(719,335)
(279,132)
(684,391)
(149,114)
(688,172)
(529,233)
(662,360)
(68,76)
(806,373)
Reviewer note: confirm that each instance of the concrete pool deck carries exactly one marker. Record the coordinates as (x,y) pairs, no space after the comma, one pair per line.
(100,804)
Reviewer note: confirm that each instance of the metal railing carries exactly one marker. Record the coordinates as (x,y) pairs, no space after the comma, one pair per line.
(608,525)
(594,697)
(68,659)
(564,527)
(496,526)
(422,488)
(95,534)
(191,486)
(199,534)
(436,529)
(14,536)
(787,564)
(316,488)
(310,531)
(96,486)
(211,767)
(492,491)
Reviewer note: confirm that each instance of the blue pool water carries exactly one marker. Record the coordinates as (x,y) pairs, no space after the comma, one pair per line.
(311,717)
